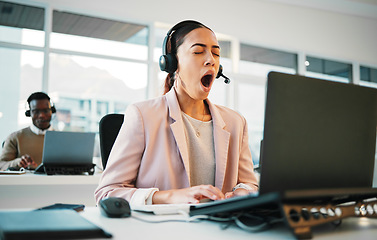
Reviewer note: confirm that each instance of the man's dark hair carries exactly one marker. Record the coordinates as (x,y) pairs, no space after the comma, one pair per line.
(37,96)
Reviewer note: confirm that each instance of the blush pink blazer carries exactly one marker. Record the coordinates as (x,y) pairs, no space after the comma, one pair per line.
(151,150)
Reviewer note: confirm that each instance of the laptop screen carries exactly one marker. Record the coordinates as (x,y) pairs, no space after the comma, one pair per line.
(68,148)
(318,134)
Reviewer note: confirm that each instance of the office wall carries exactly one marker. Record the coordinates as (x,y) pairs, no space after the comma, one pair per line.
(329,34)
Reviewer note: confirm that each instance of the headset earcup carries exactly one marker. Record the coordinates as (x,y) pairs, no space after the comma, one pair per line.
(168,63)
(53,109)
(163,62)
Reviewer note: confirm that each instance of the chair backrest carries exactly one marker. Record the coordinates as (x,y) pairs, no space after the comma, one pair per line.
(109,127)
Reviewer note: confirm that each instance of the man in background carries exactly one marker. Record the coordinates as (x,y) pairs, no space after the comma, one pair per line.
(24,148)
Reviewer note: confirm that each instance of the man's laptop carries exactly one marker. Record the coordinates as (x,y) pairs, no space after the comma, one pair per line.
(319,145)
(67,153)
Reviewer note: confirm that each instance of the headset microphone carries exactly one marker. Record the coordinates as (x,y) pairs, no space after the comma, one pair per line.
(226,80)
(220,74)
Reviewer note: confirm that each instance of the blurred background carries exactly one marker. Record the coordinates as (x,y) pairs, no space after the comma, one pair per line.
(95,57)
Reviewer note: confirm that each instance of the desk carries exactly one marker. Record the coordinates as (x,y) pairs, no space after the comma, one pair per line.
(130,228)
(33,191)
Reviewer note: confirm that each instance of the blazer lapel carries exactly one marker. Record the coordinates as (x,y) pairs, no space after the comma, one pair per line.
(221,142)
(178,129)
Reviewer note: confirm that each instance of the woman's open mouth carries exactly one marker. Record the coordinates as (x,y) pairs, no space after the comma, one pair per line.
(207,81)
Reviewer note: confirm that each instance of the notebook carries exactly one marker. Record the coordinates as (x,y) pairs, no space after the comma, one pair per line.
(48,224)
(67,153)
(319,144)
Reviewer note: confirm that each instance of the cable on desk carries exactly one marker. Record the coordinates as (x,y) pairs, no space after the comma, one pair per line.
(158,221)
(162,221)
(255,223)
(263,224)
(196,218)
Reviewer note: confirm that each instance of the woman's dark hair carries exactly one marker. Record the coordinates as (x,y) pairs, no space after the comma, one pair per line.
(176,39)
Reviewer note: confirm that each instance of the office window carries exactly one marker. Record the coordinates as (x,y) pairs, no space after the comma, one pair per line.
(368,76)
(255,63)
(100,62)
(96,85)
(159,35)
(219,88)
(21,24)
(225,47)
(260,61)
(102,108)
(20,70)
(93,35)
(120,107)
(328,69)
(20,74)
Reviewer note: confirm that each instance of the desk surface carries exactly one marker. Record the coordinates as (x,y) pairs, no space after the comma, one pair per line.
(33,191)
(131,228)
(42,179)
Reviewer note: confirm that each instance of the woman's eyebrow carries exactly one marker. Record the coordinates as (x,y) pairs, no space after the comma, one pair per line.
(203,45)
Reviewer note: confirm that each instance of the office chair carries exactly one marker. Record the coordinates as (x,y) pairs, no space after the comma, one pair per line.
(109,127)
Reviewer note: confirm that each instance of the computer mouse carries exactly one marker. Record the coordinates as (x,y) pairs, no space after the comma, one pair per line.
(115,207)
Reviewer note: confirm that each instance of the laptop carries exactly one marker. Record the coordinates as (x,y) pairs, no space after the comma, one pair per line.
(319,144)
(67,153)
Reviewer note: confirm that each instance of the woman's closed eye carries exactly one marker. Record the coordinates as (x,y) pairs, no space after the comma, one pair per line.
(213,53)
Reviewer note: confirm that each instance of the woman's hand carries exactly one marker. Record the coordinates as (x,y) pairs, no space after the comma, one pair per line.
(188,195)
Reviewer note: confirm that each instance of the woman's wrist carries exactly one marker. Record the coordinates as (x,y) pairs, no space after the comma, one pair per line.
(161,197)
(243,186)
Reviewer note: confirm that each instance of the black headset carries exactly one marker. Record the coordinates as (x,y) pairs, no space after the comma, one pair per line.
(28,111)
(168,61)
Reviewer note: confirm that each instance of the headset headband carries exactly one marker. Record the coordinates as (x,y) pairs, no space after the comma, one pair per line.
(175,28)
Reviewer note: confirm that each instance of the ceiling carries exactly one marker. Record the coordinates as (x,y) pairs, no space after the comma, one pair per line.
(17,15)
(361,8)
(22,16)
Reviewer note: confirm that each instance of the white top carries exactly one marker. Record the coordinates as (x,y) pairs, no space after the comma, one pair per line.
(201,150)
(38,131)
(201,154)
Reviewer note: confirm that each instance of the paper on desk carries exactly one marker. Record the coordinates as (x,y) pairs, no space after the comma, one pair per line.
(163,209)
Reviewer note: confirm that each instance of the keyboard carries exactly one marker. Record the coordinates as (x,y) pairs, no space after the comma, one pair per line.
(214,208)
(236,204)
